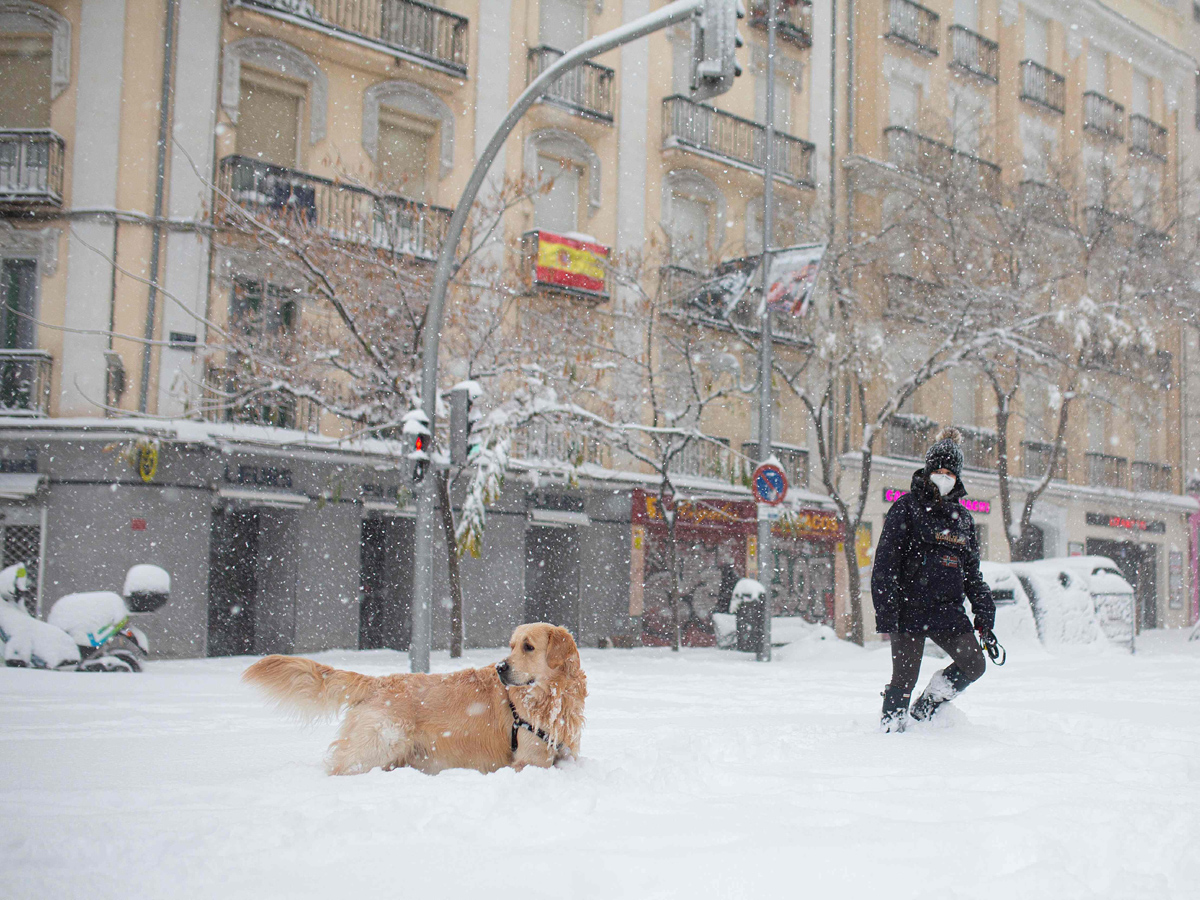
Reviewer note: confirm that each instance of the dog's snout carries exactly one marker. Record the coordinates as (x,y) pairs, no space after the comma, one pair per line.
(502,671)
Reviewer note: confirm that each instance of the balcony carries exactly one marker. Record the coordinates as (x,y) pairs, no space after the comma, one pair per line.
(409,29)
(973,53)
(557,442)
(906,297)
(1103,116)
(1149,476)
(914,25)
(31,166)
(1036,460)
(229,398)
(933,161)
(1147,137)
(343,212)
(732,140)
(564,264)
(978,447)
(793,20)
(1106,471)
(586,91)
(1104,221)
(680,286)
(1042,87)
(709,458)
(907,436)
(793,461)
(728,296)
(24,383)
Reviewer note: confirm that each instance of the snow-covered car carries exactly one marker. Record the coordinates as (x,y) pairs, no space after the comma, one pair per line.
(1062,603)
(1112,595)
(1014,612)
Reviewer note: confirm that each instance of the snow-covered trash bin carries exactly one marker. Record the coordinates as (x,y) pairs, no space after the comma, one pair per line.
(30,642)
(749,607)
(147,588)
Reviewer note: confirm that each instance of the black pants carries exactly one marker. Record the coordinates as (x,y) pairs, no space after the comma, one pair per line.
(907,650)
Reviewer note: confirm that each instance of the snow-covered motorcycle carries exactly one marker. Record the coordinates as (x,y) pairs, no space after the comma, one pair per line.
(86,632)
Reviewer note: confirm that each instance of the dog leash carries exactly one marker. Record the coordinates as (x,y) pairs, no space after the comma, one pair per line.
(996,653)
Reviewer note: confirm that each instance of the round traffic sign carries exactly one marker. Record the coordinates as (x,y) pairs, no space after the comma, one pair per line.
(769,484)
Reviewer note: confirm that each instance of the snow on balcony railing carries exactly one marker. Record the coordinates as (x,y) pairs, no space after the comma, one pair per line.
(1104,470)
(344,212)
(1150,476)
(1103,116)
(587,90)
(1036,456)
(939,163)
(908,436)
(559,443)
(1147,137)
(793,21)
(31,166)
(1042,86)
(978,447)
(913,24)
(424,34)
(974,53)
(25,382)
(706,131)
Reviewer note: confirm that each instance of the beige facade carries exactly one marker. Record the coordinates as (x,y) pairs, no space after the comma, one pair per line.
(287,103)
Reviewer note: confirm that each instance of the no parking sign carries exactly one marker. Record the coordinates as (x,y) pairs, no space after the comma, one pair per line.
(769,484)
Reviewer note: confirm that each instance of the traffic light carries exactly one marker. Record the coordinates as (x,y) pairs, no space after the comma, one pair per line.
(462,422)
(416,434)
(715,40)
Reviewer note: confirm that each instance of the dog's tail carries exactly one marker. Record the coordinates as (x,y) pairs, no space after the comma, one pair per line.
(307,688)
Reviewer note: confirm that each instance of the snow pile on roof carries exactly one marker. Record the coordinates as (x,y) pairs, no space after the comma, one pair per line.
(145,579)
(31,642)
(1061,603)
(86,616)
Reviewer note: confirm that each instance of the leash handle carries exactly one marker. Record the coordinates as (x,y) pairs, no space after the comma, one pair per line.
(991,645)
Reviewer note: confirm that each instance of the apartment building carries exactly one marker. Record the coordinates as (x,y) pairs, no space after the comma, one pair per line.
(138,124)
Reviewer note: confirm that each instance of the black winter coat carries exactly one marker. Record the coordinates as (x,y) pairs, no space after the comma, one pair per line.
(926,561)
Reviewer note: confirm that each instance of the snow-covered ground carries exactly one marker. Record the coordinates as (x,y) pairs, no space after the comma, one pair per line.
(705,774)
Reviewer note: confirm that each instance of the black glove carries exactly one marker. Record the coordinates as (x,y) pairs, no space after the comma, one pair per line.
(991,646)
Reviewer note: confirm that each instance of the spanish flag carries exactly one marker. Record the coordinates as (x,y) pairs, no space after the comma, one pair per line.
(568,263)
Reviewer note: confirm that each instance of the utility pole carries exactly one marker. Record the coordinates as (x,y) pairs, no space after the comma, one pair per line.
(717,70)
(766,559)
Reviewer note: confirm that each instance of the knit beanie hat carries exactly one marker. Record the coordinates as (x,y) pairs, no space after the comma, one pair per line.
(945,452)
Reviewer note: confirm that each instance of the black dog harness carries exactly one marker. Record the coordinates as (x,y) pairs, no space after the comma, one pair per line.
(519,723)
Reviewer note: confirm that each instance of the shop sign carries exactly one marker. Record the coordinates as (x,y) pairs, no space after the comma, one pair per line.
(970,504)
(259,476)
(1106,520)
(810,525)
(648,509)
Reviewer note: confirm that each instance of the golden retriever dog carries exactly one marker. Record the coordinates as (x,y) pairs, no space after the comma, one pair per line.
(527,710)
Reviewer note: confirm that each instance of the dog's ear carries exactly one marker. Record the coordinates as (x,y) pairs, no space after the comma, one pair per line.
(560,648)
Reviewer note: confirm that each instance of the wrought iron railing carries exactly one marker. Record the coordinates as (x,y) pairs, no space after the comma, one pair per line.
(344,212)
(1043,86)
(1045,202)
(1148,137)
(1104,470)
(1036,456)
(679,286)
(701,129)
(230,398)
(430,35)
(907,436)
(24,382)
(906,296)
(937,162)
(793,20)
(557,442)
(708,458)
(913,24)
(1107,222)
(974,53)
(1150,476)
(587,90)
(31,166)
(978,447)
(1103,116)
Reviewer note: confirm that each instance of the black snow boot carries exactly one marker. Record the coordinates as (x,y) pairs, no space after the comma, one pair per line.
(944,686)
(895,709)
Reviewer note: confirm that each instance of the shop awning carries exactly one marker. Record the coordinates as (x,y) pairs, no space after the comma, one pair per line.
(275,499)
(19,485)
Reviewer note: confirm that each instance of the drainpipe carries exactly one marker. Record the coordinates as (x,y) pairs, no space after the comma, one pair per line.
(164,122)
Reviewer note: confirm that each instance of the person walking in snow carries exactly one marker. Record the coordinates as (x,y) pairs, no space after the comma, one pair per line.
(926,561)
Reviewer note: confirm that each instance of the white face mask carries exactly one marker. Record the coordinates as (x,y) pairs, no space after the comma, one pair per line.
(944,483)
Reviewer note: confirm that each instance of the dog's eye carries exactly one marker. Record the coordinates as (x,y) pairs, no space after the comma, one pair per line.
(528,648)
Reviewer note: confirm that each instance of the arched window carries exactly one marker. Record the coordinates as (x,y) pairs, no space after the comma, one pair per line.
(692,211)
(408,131)
(267,99)
(570,167)
(35,62)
